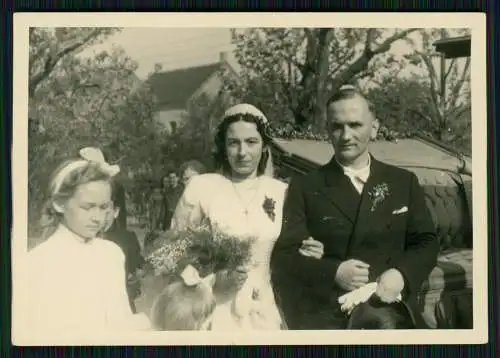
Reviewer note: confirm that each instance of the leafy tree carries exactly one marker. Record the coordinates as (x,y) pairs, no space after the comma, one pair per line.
(76,101)
(290,72)
(449,95)
(399,104)
(194,138)
(420,102)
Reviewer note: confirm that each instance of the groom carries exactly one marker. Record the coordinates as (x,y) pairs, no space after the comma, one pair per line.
(371,218)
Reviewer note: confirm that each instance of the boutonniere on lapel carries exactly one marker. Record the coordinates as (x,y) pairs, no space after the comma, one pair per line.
(378,194)
(269,205)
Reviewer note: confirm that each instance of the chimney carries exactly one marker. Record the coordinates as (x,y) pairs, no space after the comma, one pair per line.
(222,57)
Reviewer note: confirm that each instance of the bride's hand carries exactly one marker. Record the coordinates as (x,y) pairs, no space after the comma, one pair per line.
(312,248)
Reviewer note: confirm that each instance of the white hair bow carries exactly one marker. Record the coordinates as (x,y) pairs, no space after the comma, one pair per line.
(191,277)
(95,155)
(88,154)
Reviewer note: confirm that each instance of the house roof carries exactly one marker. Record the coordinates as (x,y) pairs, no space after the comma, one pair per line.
(411,152)
(454,47)
(174,88)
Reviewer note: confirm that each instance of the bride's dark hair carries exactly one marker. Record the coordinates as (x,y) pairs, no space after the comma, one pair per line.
(220,155)
(374,314)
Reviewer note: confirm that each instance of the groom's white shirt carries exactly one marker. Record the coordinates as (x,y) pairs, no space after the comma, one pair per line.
(358,177)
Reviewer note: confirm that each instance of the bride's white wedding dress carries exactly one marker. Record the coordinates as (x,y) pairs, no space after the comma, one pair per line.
(237,209)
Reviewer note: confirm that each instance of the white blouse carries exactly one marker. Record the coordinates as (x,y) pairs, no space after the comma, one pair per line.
(77,286)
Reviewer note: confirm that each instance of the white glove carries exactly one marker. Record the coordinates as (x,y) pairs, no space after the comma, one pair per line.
(351,299)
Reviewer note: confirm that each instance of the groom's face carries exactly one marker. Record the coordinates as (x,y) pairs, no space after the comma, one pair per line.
(351,126)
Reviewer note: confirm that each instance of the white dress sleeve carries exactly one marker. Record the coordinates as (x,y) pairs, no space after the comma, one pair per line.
(43,315)
(189,213)
(120,316)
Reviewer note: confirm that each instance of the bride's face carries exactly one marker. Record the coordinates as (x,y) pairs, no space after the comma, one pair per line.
(244,146)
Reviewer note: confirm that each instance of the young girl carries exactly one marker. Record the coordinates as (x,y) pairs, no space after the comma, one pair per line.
(75,281)
(186,304)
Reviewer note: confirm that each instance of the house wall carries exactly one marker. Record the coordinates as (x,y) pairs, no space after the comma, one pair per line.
(209,88)
(170,119)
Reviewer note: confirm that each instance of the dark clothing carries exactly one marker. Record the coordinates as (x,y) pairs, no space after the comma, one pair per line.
(127,240)
(120,201)
(170,199)
(155,209)
(325,205)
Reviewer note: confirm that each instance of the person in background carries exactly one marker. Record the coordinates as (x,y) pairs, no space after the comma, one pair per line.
(172,191)
(120,200)
(155,209)
(191,169)
(126,240)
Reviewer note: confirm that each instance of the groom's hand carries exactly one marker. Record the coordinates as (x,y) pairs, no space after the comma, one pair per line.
(352,274)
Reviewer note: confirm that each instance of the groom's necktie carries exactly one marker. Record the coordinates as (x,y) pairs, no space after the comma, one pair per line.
(358,177)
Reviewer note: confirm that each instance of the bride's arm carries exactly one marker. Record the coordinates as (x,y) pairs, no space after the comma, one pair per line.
(188,212)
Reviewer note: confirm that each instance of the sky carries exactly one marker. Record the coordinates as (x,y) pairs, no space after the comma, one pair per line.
(176,48)
(172,47)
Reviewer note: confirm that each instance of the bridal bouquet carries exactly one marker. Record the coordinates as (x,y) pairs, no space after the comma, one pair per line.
(172,251)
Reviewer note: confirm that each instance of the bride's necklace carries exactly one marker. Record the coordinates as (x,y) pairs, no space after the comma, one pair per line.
(254,188)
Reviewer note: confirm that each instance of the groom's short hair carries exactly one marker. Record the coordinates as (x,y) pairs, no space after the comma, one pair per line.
(348,92)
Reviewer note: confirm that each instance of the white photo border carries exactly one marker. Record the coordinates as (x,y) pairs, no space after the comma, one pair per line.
(477,24)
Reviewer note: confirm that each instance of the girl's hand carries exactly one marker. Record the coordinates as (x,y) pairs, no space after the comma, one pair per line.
(312,248)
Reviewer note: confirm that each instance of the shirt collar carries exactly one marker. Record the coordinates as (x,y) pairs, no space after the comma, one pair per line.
(69,236)
(361,173)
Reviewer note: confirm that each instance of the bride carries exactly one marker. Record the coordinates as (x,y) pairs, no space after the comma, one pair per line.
(242,200)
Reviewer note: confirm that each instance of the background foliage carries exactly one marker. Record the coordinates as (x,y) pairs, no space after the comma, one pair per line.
(289,73)
(76,101)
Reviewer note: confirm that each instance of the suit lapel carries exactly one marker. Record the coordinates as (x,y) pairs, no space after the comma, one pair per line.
(370,214)
(340,191)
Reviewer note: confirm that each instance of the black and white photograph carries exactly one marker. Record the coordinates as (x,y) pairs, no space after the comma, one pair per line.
(227,179)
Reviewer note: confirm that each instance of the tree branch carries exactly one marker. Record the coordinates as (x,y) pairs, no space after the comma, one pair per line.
(53,59)
(455,92)
(433,90)
(421,115)
(342,62)
(361,63)
(452,63)
(386,45)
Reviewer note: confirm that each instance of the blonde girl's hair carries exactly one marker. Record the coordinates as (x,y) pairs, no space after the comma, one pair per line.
(181,307)
(62,186)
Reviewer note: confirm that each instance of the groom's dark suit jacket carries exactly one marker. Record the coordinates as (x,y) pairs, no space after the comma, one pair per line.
(325,205)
